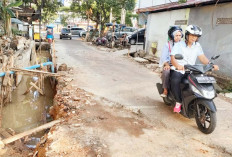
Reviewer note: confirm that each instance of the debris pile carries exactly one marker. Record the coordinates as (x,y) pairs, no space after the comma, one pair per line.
(12,45)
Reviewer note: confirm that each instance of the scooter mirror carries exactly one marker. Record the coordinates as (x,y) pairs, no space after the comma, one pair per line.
(215,57)
(179,56)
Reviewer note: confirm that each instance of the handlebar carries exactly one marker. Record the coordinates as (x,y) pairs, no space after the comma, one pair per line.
(197,68)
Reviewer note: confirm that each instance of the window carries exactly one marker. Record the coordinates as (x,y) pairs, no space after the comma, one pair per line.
(65,30)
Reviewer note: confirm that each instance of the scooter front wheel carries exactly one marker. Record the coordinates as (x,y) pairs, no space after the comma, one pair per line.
(205,118)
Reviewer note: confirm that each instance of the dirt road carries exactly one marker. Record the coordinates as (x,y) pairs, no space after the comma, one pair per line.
(121,80)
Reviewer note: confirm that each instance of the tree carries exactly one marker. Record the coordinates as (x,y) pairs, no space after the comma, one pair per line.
(50,9)
(64,19)
(7,13)
(100,9)
(126,5)
(129,16)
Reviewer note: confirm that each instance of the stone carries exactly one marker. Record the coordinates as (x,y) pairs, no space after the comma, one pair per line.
(76,98)
(152,66)
(142,53)
(228,95)
(68,79)
(63,67)
(140,60)
(2,145)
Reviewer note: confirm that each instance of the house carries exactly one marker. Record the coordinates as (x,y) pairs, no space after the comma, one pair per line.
(213,16)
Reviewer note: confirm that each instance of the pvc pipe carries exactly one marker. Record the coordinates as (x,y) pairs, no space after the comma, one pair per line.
(33,67)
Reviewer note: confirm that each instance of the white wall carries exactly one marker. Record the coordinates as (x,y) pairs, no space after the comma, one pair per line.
(158,25)
(150,3)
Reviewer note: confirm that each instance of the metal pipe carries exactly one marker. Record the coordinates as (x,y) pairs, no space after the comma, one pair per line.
(33,67)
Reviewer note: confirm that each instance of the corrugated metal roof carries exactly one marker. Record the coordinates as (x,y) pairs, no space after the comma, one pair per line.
(176,5)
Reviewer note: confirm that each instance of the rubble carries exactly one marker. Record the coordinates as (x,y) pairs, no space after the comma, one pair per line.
(63,67)
(152,66)
(228,95)
(18,43)
(140,60)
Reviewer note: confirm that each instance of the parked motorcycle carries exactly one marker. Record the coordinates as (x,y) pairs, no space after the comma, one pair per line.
(101,41)
(197,93)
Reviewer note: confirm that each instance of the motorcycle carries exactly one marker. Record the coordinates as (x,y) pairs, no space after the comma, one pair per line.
(197,93)
(101,41)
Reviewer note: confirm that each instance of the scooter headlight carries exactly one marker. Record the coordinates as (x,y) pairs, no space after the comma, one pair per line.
(208,94)
(204,93)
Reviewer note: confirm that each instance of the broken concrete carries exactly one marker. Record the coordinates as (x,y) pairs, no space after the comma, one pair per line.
(141,60)
(228,95)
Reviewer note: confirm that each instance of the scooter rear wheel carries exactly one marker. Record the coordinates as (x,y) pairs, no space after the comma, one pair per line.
(206,119)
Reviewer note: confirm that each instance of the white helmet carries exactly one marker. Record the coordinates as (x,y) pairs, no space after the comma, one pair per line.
(193,29)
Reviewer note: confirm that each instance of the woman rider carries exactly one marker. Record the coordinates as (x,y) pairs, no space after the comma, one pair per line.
(175,34)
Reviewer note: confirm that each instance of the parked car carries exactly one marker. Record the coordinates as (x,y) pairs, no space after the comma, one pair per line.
(77,30)
(65,33)
(137,36)
(83,33)
(117,26)
(119,33)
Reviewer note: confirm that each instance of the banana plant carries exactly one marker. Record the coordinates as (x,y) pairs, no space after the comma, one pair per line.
(6,13)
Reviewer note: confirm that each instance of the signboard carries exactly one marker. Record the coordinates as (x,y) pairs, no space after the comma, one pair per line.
(181,22)
(224,21)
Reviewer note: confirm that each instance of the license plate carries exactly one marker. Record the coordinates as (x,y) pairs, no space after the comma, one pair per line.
(206,79)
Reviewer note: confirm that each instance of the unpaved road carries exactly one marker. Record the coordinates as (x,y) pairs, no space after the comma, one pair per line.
(121,80)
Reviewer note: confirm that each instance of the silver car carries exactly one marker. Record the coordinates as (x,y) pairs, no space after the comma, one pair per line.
(120,33)
(76,30)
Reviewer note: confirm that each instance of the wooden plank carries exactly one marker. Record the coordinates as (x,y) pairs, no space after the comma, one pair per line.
(30,88)
(10,131)
(29,132)
(41,91)
(4,133)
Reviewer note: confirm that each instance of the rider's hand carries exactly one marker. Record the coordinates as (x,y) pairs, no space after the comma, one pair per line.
(167,67)
(215,67)
(180,67)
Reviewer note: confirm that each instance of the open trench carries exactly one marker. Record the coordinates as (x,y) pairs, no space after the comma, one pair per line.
(27,110)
